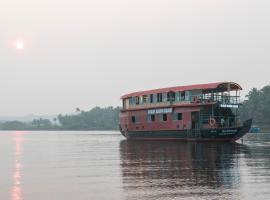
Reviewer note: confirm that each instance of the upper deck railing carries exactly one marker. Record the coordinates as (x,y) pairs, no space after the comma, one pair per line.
(222,100)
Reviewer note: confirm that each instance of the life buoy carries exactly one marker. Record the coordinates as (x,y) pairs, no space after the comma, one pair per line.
(212,121)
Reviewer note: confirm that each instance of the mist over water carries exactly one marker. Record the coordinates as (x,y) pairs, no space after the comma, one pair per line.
(103,165)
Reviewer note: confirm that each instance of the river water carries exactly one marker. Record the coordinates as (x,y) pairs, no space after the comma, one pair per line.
(103,165)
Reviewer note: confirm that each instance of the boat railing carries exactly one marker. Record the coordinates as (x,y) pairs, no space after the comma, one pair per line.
(193,99)
(220,121)
(221,99)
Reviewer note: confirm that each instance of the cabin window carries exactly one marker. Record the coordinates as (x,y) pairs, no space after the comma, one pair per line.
(177,116)
(182,96)
(151,118)
(151,98)
(137,100)
(177,96)
(145,97)
(135,119)
(141,99)
(164,117)
(132,100)
(187,95)
(164,97)
(171,96)
(159,97)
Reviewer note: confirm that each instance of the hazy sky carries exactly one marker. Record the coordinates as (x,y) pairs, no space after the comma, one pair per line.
(83,53)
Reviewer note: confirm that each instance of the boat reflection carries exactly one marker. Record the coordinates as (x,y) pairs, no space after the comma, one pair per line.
(17,174)
(165,169)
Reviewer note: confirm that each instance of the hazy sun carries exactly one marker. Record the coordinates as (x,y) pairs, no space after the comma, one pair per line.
(19,45)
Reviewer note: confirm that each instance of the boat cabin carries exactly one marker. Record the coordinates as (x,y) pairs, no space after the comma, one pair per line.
(202,106)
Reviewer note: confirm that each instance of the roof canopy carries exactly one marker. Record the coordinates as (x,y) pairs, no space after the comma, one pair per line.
(217,87)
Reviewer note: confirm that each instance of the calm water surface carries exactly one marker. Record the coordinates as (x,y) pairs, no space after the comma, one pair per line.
(102,165)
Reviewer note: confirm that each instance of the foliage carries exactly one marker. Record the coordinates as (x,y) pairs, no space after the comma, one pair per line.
(13,125)
(41,123)
(95,119)
(257,106)
(37,124)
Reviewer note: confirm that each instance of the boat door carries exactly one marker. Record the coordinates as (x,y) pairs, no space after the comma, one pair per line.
(195,117)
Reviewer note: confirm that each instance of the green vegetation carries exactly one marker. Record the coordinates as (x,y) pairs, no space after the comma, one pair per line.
(13,125)
(37,124)
(257,106)
(94,119)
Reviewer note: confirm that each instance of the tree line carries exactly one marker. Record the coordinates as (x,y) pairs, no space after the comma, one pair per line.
(256,106)
(95,119)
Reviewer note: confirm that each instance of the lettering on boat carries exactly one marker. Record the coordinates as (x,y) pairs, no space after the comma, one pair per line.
(228,132)
(159,111)
(228,106)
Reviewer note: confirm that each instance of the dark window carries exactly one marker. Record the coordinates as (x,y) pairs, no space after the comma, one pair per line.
(152,118)
(179,116)
(137,100)
(164,117)
(159,97)
(183,96)
(151,98)
(171,96)
(135,119)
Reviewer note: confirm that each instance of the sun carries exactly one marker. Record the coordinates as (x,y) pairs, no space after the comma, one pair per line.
(19,45)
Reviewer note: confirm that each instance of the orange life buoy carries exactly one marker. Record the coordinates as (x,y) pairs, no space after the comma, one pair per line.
(212,121)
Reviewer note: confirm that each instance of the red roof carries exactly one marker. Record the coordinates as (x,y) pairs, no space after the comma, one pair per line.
(220,86)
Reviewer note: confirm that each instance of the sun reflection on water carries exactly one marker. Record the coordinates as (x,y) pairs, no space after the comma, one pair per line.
(17,174)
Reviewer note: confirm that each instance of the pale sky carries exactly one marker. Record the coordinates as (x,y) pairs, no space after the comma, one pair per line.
(86,53)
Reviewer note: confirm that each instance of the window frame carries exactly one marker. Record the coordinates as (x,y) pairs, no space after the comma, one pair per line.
(151,118)
(151,98)
(135,119)
(176,116)
(164,119)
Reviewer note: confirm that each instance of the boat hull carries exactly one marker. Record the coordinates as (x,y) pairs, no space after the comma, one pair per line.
(219,134)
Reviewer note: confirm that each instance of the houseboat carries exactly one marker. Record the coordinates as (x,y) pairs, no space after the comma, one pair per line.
(194,112)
